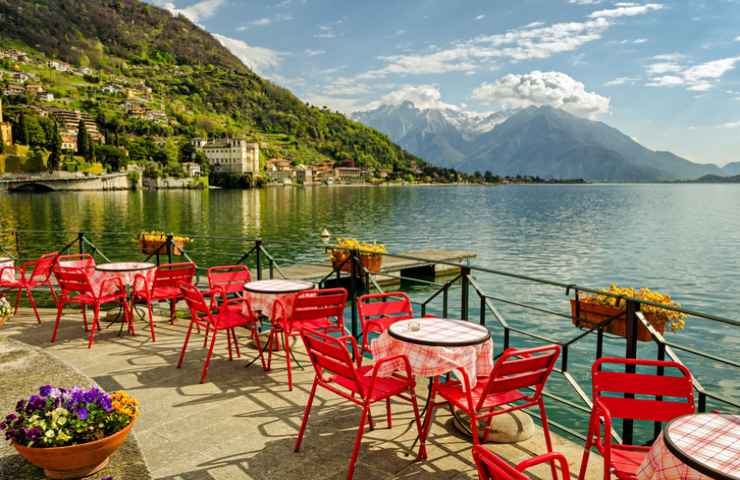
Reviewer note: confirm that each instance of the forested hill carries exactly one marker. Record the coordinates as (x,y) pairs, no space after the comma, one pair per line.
(203,88)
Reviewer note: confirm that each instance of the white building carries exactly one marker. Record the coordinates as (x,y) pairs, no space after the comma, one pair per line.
(233,156)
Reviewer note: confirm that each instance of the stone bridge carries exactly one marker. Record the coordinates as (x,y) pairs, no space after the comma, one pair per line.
(54,183)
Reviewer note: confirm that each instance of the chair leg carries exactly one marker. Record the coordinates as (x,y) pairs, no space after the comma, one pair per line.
(358,441)
(208,356)
(185,344)
(236,343)
(228,341)
(129,316)
(287,361)
(84,318)
(151,320)
(32,301)
(172,311)
(17,300)
(306,412)
(95,325)
(546,430)
(60,307)
(417,415)
(388,412)
(422,455)
(256,336)
(205,336)
(586,453)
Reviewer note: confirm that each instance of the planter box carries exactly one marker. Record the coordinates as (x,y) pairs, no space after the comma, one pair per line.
(150,247)
(370,261)
(589,315)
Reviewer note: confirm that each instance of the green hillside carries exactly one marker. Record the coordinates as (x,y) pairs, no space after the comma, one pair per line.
(165,63)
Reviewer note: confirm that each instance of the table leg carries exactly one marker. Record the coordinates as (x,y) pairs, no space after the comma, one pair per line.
(423,412)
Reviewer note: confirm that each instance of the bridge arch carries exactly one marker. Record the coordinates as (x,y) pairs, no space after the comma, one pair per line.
(38,187)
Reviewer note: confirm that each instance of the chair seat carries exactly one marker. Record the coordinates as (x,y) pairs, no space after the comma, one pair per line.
(384,386)
(11,284)
(89,299)
(159,293)
(626,460)
(232,318)
(455,394)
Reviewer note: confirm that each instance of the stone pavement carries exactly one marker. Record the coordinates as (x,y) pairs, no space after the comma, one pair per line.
(242,423)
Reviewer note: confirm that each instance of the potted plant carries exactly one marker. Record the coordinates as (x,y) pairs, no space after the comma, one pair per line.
(5,310)
(70,433)
(594,310)
(152,242)
(371,254)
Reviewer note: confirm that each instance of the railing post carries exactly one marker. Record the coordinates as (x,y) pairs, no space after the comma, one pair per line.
(630,352)
(81,242)
(445,298)
(170,244)
(482,310)
(258,255)
(465,292)
(354,274)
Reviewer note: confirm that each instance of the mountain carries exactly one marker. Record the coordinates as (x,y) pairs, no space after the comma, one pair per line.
(202,87)
(538,141)
(731,169)
(718,179)
(440,136)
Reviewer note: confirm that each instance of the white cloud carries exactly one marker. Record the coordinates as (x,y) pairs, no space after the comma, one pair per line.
(266,21)
(584,2)
(328,30)
(259,59)
(341,104)
(537,88)
(312,53)
(730,124)
(196,12)
(696,78)
(670,57)
(621,81)
(636,41)
(627,10)
(480,17)
(422,96)
(737,39)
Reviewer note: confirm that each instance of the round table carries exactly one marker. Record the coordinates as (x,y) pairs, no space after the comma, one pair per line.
(439,332)
(265,292)
(695,447)
(9,274)
(126,271)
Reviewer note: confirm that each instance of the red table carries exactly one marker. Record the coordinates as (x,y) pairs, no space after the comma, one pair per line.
(264,293)
(695,447)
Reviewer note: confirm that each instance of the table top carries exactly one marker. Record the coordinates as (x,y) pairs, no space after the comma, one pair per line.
(124,266)
(709,443)
(440,332)
(278,286)
(5,259)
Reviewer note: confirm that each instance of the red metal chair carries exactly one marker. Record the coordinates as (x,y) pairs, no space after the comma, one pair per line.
(164,287)
(336,372)
(84,261)
(76,288)
(29,275)
(228,317)
(378,311)
(311,309)
(230,279)
(492,467)
(513,371)
(609,389)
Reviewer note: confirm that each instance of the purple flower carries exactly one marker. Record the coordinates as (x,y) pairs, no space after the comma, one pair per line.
(82,413)
(105,403)
(20,406)
(45,390)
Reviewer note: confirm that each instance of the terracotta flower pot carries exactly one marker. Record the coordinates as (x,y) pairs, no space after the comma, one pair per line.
(75,461)
(371,262)
(3,320)
(150,247)
(589,315)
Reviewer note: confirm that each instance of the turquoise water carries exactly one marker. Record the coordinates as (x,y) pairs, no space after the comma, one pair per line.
(681,239)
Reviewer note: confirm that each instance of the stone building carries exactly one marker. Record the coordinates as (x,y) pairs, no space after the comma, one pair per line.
(6,131)
(233,156)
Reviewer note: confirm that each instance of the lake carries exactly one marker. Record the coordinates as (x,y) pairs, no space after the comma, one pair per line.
(680,239)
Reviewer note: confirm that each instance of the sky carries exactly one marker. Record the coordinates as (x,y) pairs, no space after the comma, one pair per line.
(665,72)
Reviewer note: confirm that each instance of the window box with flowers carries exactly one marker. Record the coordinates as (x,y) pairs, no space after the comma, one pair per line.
(70,433)
(371,254)
(593,310)
(151,243)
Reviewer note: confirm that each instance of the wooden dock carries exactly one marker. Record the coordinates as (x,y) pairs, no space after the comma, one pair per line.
(393,267)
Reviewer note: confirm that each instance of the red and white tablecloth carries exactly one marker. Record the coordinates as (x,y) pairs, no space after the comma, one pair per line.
(264,293)
(712,440)
(430,361)
(9,274)
(126,271)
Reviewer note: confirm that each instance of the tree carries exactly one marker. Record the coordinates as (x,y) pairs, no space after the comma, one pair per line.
(113,157)
(55,147)
(20,131)
(35,161)
(83,141)
(36,135)
(202,160)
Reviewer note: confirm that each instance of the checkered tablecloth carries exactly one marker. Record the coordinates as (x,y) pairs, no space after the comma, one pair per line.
(710,439)
(126,271)
(429,361)
(263,294)
(8,275)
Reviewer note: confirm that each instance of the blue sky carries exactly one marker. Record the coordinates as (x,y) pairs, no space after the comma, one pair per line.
(664,72)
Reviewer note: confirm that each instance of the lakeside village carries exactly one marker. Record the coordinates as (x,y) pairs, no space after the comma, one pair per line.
(46,133)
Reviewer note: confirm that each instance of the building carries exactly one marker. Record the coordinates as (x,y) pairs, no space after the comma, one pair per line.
(13,90)
(233,156)
(6,130)
(59,66)
(45,97)
(199,143)
(69,120)
(34,89)
(303,174)
(191,169)
(350,174)
(69,142)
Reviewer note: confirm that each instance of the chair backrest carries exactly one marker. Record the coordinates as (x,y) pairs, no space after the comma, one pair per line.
(386,307)
(674,388)
(195,300)
(330,355)
(173,275)
(44,266)
(230,278)
(84,261)
(312,305)
(73,279)
(522,368)
(492,467)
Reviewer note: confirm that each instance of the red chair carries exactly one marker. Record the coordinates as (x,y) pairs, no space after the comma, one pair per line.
(513,371)
(311,309)
(33,274)
(228,279)
(492,467)
(378,311)
(84,261)
(164,287)
(608,390)
(336,372)
(76,288)
(228,317)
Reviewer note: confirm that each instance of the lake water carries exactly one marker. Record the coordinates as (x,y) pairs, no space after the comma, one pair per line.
(681,239)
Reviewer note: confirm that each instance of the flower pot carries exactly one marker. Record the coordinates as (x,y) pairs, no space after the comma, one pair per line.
(150,247)
(371,262)
(75,461)
(589,315)
(3,320)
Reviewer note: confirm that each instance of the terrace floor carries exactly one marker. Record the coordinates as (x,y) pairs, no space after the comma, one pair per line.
(242,423)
